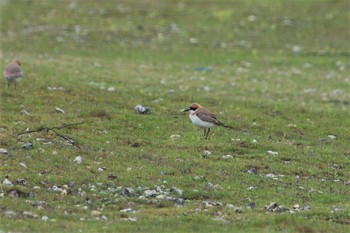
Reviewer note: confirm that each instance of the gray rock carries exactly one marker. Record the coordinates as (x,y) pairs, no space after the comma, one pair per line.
(22,182)
(252,171)
(3,151)
(251,205)
(177,190)
(10,214)
(274,207)
(209,185)
(128,210)
(59,110)
(7,182)
(139,109)
(27,146)
(238,210)
(78,160)
(28,214)
(150,193)
(179,201)
(128,192)
(24,112)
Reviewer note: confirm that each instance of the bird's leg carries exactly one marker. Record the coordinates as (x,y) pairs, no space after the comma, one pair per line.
(206,137)
(205,131)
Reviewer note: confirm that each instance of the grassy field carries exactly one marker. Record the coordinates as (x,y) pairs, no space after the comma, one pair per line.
(276,71)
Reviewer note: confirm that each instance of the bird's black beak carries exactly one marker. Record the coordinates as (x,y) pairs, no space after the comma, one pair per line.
(186,110)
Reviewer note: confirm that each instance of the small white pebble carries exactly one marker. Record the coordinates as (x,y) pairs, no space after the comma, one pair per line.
(270,152)
(111,89)
(332,136)
(7,182)
(206,152)
(227,157)
(78,160)
(3,151)
(23,165)
(59,110)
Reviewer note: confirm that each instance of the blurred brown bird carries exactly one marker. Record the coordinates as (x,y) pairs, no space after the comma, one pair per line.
(13,72)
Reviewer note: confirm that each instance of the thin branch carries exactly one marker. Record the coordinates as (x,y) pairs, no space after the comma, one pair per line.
(53,129)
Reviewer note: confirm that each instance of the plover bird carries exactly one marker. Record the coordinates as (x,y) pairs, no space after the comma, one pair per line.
(13,72)
(204,119)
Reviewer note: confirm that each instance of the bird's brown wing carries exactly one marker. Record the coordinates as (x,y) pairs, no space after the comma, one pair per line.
(207,116)
(13,70)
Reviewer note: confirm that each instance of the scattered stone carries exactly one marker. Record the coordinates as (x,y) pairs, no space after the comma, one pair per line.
(198,177)
(78,160)
(111,89)
(230,206)
(45,218)
(254,141)
(23,165)
(206,152)
(10,214)
(211,204)
(347,183)
(296,207)
(209,185)
(251,204)
(24,112)
(270,152)
(96,213)
(101,169)
(203,68)
(132,219)
(273,176)
(150,193)
(227,157)
(252,171)
(307,207)
(21,182)
(296,49)
(139,109)
(193,41)
(174,136)
(112,176)
(251,188)
(128,192)
(55,88)
(179,201)
(161,197)
(54,189)
(128,210)
(332,136)
(59,110)
(274,207)
(177,190)
(27,146)
(28,214)
(7,182)
(3,151)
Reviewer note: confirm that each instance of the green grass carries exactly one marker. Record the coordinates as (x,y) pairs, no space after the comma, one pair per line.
(288,102)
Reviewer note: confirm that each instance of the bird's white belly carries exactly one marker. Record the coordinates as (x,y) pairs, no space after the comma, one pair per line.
(198,122)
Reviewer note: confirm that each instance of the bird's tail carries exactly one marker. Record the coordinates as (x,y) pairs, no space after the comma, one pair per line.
(225,126)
